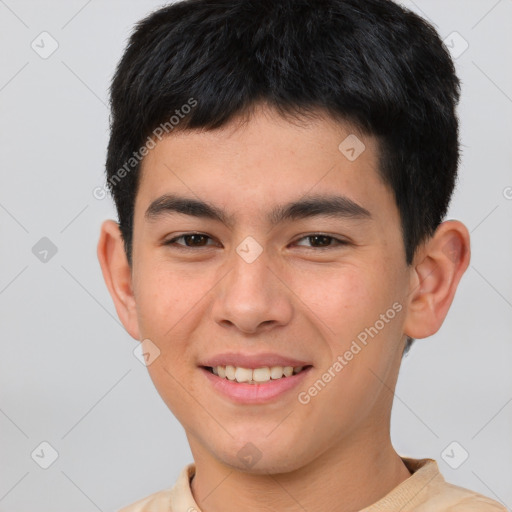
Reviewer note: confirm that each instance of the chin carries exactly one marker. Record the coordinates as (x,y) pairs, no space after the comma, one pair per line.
(269,459)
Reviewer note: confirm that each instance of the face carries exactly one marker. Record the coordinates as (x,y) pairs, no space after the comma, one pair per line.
(254,279)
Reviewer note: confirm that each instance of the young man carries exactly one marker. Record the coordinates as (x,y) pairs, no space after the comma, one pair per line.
(281,171)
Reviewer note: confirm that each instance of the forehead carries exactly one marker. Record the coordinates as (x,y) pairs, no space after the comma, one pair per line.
(265,159)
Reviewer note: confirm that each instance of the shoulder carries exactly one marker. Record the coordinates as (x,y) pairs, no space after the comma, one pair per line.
(452,498)
(426,490)
(178,497)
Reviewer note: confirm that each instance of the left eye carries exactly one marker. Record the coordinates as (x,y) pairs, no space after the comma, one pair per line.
(323,240)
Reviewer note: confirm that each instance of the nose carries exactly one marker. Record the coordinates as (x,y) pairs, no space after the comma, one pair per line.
(252,297)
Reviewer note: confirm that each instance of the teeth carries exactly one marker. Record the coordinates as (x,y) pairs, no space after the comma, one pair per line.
(258,375)
(230,372)
(243,375)
(276,372)
(287,371)
(261,374)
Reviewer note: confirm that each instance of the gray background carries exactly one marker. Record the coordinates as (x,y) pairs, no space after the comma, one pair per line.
(68,375)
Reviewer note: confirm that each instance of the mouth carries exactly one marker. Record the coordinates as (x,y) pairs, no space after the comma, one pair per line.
(255,376)
(255,386)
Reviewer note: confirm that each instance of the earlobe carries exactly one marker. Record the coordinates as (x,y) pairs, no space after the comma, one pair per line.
(435,275)
(117,275)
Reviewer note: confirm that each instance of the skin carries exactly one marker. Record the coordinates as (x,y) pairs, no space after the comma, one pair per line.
(297,298)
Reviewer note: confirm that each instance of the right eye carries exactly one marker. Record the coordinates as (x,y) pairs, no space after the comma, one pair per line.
(191,240)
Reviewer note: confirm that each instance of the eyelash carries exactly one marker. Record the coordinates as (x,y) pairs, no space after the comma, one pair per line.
(338,241)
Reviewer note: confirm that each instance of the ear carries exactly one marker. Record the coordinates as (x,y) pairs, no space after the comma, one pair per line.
(436,271)
(117,274)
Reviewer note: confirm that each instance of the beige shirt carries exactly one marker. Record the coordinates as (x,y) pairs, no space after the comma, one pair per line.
(424,491)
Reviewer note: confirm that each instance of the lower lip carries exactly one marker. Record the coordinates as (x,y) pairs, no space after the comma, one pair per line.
(244,393)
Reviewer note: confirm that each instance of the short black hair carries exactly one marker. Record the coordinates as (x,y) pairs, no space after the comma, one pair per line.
(370,63)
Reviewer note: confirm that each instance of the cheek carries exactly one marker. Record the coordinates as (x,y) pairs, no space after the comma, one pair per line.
(168,307)
(164,299)
(345,299)
(361,344)
(358,311)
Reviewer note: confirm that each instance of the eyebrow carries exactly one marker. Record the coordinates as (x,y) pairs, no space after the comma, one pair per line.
(314,206)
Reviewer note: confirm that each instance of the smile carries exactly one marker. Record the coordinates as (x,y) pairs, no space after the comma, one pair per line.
(255,386)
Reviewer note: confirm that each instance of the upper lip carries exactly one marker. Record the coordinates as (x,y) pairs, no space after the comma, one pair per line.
(252,361)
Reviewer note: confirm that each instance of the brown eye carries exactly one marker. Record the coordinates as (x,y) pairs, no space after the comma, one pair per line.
(195,240)
(191,240)
(321,241)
